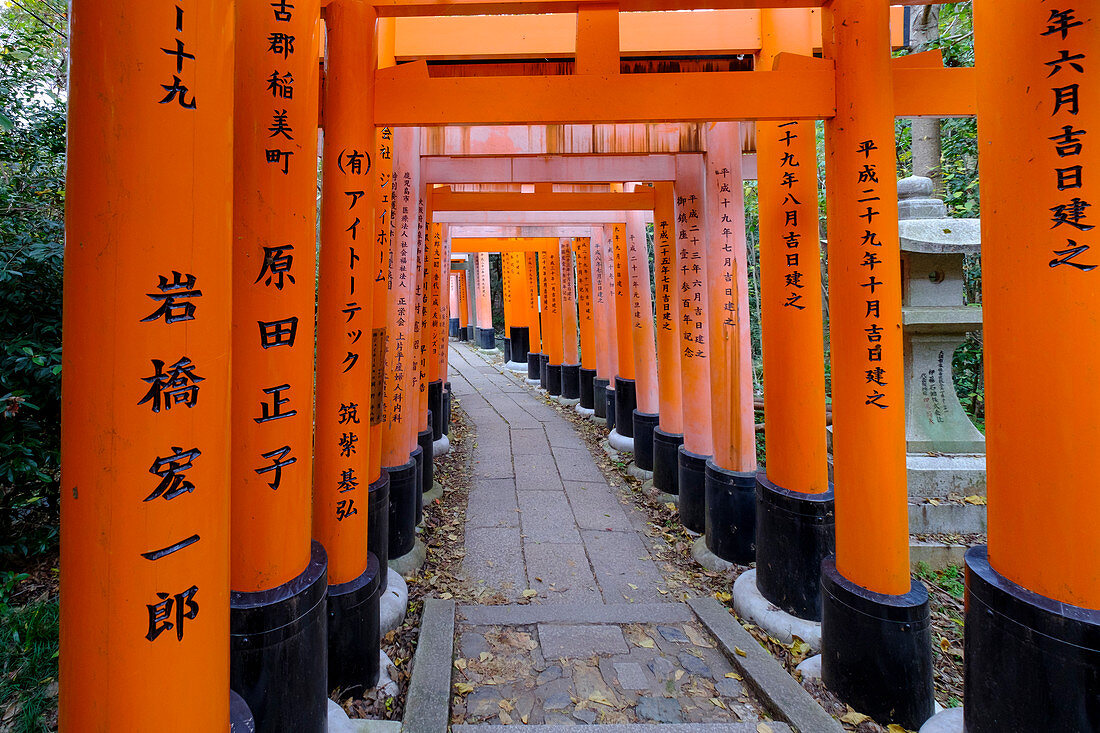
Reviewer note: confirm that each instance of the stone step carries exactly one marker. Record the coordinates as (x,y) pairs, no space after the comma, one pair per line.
(772,726)
(946,518)
(935,555)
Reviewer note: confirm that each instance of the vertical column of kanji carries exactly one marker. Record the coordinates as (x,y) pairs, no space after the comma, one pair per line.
(893,682)
(442,442)
(345,315)
(612,323)
(691,270)
(401,403)
(644,418)
(1033,596)
(601,293)
(571,357)
(506,281)
(420,433)
(731,472)
(520,332)
(278,581)
(624,393)
(486,337)
(794,498)
(464,301)
(552,333)
(668,436)
(456,304)
(381,182)
(534,325)
(145,561)
(434,273)
(587,372)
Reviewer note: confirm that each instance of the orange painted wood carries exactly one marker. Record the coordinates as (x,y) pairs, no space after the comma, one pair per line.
(597,41)
(382,192)
(624,343)
(534,321)
(500,201)
(586,312)
(569,326)
(402,8)
(872,526)
(550,281)
(642,336)
(434,272)
(667,283)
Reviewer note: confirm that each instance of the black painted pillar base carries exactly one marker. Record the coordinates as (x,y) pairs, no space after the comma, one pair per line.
(507,349)
(553,379)
(486,338)
(534,365)
(571,381)
(378,522)
(471,333)
(610,407)
(278,650)
(544,376)
(1030,662)
(435,408)
(666,460)
(402,510)
(693,489)
(794,533)
(644,425)
(730,507)
(521,343)
(876,649)
(588,396)
(240,717)
(599,397)
(447,408)
(626,401)
(354,638)
(424,470)
(454,328)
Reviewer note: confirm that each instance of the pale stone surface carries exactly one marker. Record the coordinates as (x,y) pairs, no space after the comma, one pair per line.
(752,606)
(393,603)
(409,563)
(810,667)
(946,721)
(631,676)
(441,447)
(933,476)
(580,640)
(703,555)
(620,442)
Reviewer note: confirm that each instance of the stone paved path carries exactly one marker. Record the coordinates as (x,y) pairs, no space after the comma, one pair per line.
(598,643)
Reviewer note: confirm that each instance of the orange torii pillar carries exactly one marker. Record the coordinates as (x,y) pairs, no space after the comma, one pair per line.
(644,417)
(506,275)
(456,305)
(534,325)
(876,634)
(550,275)
(421,431)
(438,265)
(345,309)
(794,499)
(145,462)
(731,472)
(464,302)
(378,508)
(623,395)
(519,331)
(571,357)
(668,436)
(483,308)
(442,443)
(278,575)
(612,327)
(1033,595)
(693,293)
(587,325)
(399,433)
(601,297)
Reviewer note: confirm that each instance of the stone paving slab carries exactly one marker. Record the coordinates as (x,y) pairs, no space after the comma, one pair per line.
(620,613)
(492,559)
(615,558)
(493,504)
(594,507)
(575,641)
(547,517)
(772,726)
(560,573)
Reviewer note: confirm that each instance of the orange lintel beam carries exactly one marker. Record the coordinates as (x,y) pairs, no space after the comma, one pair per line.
(399,8)
(505,201)
(407,96)
(501,244)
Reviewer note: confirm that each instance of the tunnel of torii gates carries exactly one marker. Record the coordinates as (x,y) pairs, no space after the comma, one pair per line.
(250,557)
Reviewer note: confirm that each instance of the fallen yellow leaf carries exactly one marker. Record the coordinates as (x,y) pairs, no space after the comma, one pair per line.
(485,656)
(463,688)
(739,651)
(598,697)
(945,644)
(723,596)
(646,643)
(854,718)
(679,674)
(799,647)
(505,718)
(733,675)
(718,703)
(529,593)
(976,500)
(894,727)
(763,728)
(632,586)
(662,592)
(460,664)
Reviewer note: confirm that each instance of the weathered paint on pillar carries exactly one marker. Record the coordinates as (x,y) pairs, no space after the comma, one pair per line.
(145,398)
(666,280)
(570,351)
(445,304)
(274,236)
(481,288)
(641,313)
(583,249)
(435,270)
(345,301)
(728,287)
(612,305)
(624,342)
(872,525)
(691,269)
(790,280)
(463,297)
(506,274)
(420,326)
(1039,109)
(549,274)
(382,192)
(602,295)
(530,264)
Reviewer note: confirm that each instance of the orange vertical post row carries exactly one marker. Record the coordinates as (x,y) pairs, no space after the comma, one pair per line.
(872,527)
(571,358)
(644,417)
(464,301)
(420,435)
(486,336)
(790,544)
(552,335)
(695,351)
(442,425)
(612,322)
(534,321)
(275,568)
(622,426)
(1038,110)
(668,436)
(520,331)
(145,398)
(438,267)
(587,324)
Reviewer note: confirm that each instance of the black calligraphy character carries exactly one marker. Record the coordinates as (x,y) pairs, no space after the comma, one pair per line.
(876,376)
(179,385)
(281,87)
(875,399)
(874,353)
(1072,213)
(348,413)
(788,179)
(793,300)
(180,54)
(1060,21)
(278,333)
(280,43)
(273,411)
(871,283)
(172,311)
(351,309)
(788,137)
(276,265)
(872,309)
(282,11)
(791,218)
(1065,255)
(866,147)
(279,461)
(353,228)
(347,444)
(355,196)
(870,238)
(348,481)
(1065,58)
(177,87)
(351,360)
(1069,142)
(1066,97)
(874,333)
(159,613)
(1069,177)
(279,125)
(792,259)
(794,280)
(275,156)
(345,508)
(354,162)
(173,481)
(870,259)
(868,174)
(174,547)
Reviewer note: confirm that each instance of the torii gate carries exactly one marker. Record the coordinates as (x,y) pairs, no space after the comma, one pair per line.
(146,565)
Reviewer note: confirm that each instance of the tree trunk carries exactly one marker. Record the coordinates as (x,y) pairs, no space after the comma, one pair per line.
(926,130)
